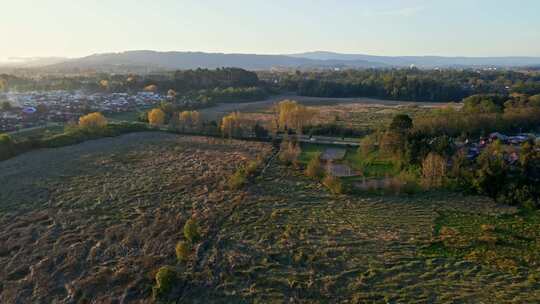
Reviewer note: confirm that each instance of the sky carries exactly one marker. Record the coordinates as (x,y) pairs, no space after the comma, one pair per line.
(75,28)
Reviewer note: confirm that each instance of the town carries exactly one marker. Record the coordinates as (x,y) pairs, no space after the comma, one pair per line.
(34,109)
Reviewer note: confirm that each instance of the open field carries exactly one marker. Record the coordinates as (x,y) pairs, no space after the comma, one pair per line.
(293,242)
(92,223)
(262,106)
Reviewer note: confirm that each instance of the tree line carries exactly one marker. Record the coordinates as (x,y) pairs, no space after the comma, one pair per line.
(406,84)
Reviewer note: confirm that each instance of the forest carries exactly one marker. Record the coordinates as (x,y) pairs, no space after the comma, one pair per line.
(407,84)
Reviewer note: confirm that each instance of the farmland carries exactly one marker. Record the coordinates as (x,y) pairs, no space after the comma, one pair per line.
(94,221)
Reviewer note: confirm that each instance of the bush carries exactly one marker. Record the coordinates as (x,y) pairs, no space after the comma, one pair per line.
(433,170)
(367,146)
(183,251)
(191,231)
(408,183)
(252,167)
(333,184)
(165,279)
(156,117)
(6,147)
(314,168)
(238,179)
(77,135)
(93,120)
(289,153)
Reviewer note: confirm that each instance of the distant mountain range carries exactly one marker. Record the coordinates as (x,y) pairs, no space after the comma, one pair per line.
(147,61)
(426,61)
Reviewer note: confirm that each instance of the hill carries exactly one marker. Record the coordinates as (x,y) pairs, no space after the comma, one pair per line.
(145,61)
(192,60)
(426,61)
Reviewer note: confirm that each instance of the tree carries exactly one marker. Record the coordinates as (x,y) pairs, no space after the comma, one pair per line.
(492,171)
(41,109)
(191,231)
(183,251)
(293,116)
(235,124)
(3,85)
(165,279)
(189,119)
(93,121)
(104,84)
(433,170)
(6,106)
(535,100)
(185,119)
(401,123)
(260,131)
(151,88)
(392,143)
(6,146)
(289,152)
(367,146)
(156,117)
(314,168)
(333,184)
(171,94)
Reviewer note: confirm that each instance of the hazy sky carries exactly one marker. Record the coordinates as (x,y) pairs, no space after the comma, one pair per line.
(383,27)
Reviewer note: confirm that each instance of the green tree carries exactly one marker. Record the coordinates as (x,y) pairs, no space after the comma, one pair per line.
(191,231)
(6,106)
(166,277)
(6,146)
(492,171)
(401,123)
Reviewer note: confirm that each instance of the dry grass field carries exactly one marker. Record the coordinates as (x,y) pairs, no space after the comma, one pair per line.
(92,223)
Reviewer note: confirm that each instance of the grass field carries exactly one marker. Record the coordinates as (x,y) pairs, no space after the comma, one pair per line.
(509,242)
(38,132)
(375,167)
(125,116)
(92,223)
(293,242)
(95,220)
(360,113)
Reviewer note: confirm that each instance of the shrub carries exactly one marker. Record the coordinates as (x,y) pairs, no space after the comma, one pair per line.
(6,146)
(333,184)
(156,117)
(183,251)
(409,182)
(367,146)
(165,279)
(238,179)
(289,152)
(433,170)
(252,167)
(314,168)
(93,121)
(401,123)
(191,231)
